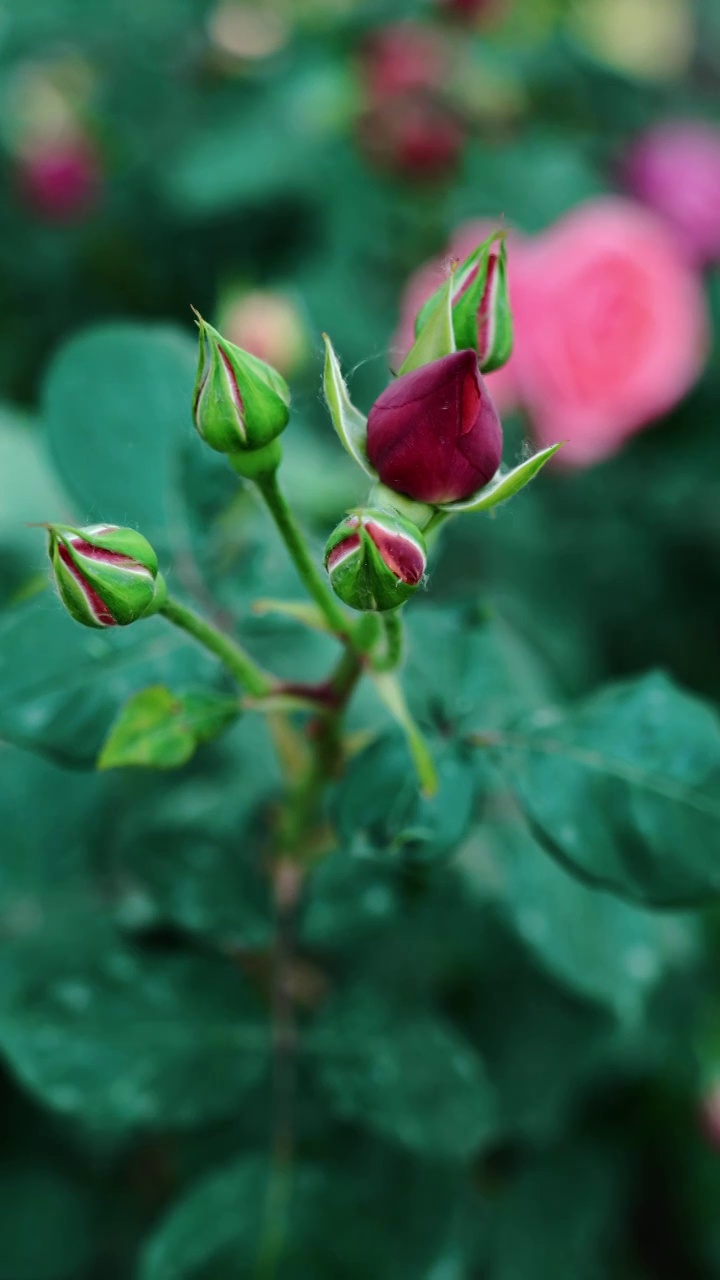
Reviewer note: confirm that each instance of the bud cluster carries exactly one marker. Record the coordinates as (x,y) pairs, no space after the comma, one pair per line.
(432,445)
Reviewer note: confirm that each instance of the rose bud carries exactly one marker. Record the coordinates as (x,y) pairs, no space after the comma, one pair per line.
(375,559)
(481,315)
(413,137)
(435,434)
(106,576)
(240,403)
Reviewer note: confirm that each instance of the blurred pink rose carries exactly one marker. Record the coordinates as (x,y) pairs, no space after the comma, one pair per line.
(269,325)
(675,168)
(611,326)
(61,180)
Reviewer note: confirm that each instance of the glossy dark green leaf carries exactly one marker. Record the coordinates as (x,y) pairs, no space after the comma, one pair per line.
(161,730)
(133,1041)
(625,789)
(221,1225)
(561,1216)
(404,1073)
(468,669)
(378,808)
(594,944)
(61,685)
(190,849)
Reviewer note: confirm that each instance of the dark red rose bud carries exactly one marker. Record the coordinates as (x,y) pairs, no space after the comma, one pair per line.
(413,137)
(61,181)
(435,434)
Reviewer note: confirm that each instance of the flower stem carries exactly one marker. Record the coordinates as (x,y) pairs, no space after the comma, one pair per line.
(241,666)
(294,540)
(394,635)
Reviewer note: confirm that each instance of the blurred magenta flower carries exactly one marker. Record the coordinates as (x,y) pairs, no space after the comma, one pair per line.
(434,434)
(611,325)
(408,126)
(60,179)
(403,57)
(413,137)
(675,168)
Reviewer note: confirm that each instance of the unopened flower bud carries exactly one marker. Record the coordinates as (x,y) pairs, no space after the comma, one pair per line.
(434,434)
(376,559)
(240,403)
(481,316)
(106,576)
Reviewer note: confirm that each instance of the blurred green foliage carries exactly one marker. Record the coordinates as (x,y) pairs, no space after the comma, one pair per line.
(500,1062)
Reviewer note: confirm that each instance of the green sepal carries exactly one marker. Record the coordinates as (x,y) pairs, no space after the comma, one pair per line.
(158,729)
(239,403)
(349,422)
(494,343)
(436,337)
(505,484)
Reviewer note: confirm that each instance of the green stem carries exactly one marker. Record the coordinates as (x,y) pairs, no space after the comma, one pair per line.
(241,666)
(294,540)
(390,691)
(394,634)
(433,525)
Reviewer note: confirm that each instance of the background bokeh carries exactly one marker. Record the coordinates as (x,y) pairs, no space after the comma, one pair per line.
(291,167)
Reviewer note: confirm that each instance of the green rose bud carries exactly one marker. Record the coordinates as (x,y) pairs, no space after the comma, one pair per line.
(375,559)
(106,576)
(240,404)
(481,316)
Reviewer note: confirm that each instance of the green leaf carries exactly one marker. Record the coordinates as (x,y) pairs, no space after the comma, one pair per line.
(221,1226)
(595,945)
(505,484)
(159,729)
(350,424)
(393,697)
(116,406)
(468,667)
(51,907)
(35,1190)
(61,685)
(625,789)
(132,1041)
(404,1073)
(184,850)
(379,811)
(560,1216)
(436,337)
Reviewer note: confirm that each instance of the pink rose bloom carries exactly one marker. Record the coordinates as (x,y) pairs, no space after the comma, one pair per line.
(611,325)
(675,169)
